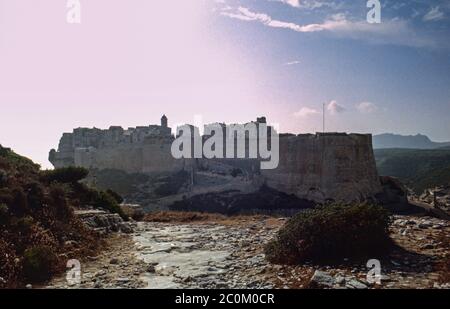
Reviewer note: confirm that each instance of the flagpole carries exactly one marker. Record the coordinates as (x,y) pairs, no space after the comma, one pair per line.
(323,113)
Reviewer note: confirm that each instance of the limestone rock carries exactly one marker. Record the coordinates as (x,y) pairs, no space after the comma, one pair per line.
(355,284)
(103,221)
(438,197)
(322,279)
(394,195)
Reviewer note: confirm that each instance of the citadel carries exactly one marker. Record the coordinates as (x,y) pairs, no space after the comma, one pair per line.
(316,167)
(135,150)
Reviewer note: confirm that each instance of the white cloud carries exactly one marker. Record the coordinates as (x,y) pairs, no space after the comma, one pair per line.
(293,62)
(245,14)
(294,3)
(306,112)
(335,108)
(309,4)
(367,107)
(395,31)
(433,14)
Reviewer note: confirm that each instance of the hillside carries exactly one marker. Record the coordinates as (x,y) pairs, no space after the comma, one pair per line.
(418,141)
(39,231)
(417,168)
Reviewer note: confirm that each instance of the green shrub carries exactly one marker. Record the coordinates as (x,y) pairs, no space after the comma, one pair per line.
(35,195)
(24,225)
(19,203)
(58,202)
(106,201)
(4,151)
(87,196)
(115,195)
(38,263)
(4,214)
(36,219)
(3,178)
(65,175)
(17,160)
(331,233)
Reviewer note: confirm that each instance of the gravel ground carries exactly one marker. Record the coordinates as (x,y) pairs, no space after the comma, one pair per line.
(230,255)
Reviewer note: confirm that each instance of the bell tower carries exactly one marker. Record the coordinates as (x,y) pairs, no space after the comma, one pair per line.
(164,121)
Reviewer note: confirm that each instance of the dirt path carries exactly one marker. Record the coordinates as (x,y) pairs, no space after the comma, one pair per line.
(230,255)
(167,255)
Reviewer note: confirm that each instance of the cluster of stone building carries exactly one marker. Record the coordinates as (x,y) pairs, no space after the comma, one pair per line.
(87,147)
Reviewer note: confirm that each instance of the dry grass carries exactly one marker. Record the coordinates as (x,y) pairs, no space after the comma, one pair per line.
(181,217)
(206,218)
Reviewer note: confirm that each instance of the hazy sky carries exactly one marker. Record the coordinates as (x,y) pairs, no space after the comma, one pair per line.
(128,62)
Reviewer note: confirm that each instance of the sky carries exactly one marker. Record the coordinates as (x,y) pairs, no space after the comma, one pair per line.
(128,62)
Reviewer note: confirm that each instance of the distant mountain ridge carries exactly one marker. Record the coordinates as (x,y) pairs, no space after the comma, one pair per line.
(418,141)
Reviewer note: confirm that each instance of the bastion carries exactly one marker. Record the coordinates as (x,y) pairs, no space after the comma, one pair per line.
(326,166)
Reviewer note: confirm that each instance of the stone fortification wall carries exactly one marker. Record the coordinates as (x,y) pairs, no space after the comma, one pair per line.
(326,166)
(320,167)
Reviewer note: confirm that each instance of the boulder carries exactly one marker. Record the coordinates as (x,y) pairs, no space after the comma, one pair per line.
(394,195)
(322,280)
(104,222)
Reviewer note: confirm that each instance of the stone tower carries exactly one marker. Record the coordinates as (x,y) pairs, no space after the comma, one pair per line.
(164,121)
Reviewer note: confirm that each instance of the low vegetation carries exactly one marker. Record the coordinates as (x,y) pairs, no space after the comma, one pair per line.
(68,175)
(39,230)
(117,180)
(232,202)
(332,233)
(139,187)
(418,169)
(170,185)
(38,263)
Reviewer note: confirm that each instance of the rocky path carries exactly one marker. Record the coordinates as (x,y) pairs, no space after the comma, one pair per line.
(230,255)
(168,255)
(203,256)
